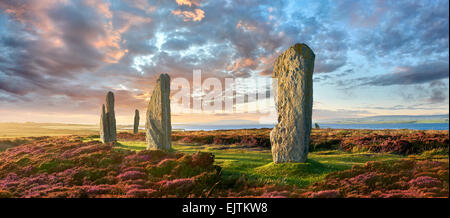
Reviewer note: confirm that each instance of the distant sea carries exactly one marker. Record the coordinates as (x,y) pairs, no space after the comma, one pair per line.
(417,126)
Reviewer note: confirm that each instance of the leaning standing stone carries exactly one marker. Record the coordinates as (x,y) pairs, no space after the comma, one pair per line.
(158,125)
(290,137)
(136,122)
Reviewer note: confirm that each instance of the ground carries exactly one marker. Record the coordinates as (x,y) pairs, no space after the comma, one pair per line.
(14,130)
(258,165)
(243,160)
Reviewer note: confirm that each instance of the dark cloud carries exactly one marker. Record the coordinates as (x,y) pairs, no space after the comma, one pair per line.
(334,78)
(321,78)
(404,107)
(51,55)
(439,92)
(437,96)
(330,44)
(397,28)
(407,75)
(57,53)
(41,56)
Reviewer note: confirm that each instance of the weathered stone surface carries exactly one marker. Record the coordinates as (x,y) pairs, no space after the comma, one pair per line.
(290,137)
(136,122)
(104,130)
(158,120)
(108,120)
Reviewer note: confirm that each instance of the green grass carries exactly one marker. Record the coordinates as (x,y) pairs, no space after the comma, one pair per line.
(257,165)
(15,130)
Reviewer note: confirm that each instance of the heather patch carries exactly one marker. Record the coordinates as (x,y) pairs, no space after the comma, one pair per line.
(72,167)
(68,167)
(403,142)
(387,179)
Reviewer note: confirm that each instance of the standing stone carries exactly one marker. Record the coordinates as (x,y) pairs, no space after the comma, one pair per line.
(111,116)
(104,130)
(290,137)
(136,122)
(108,120)
(158,125)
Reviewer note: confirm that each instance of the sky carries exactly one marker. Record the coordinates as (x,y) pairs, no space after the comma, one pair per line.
(59,58)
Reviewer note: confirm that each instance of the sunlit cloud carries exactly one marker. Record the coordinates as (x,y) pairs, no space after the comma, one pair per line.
(195,15)
(62,57)
(188,2)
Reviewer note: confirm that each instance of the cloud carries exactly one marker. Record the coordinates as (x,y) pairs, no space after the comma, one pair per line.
(439,92)
(176,44)
(143,5)
(266,72)
(61,52)
(50,47)
(325,114)
(195,15)
(422,106)
(188,2)
(407,75)
(402,28)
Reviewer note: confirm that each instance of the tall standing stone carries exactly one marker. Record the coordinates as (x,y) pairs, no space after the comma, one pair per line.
(136,122)
(108,120)
(158,125)
(290,137)
(104,129)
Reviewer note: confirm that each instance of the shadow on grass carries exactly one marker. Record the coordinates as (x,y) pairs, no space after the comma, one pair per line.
(119,145)
(258,166)
(134,146)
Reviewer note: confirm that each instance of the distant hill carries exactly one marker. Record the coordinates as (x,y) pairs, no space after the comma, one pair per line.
(391,119)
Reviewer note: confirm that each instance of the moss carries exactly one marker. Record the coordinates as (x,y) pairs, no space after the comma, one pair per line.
(5,194)
(91,174)
(23,161)
(55,165)
(163,169)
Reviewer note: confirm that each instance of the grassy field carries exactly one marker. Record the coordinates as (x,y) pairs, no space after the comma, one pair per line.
(257,164)
(408,163)
(15,130)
